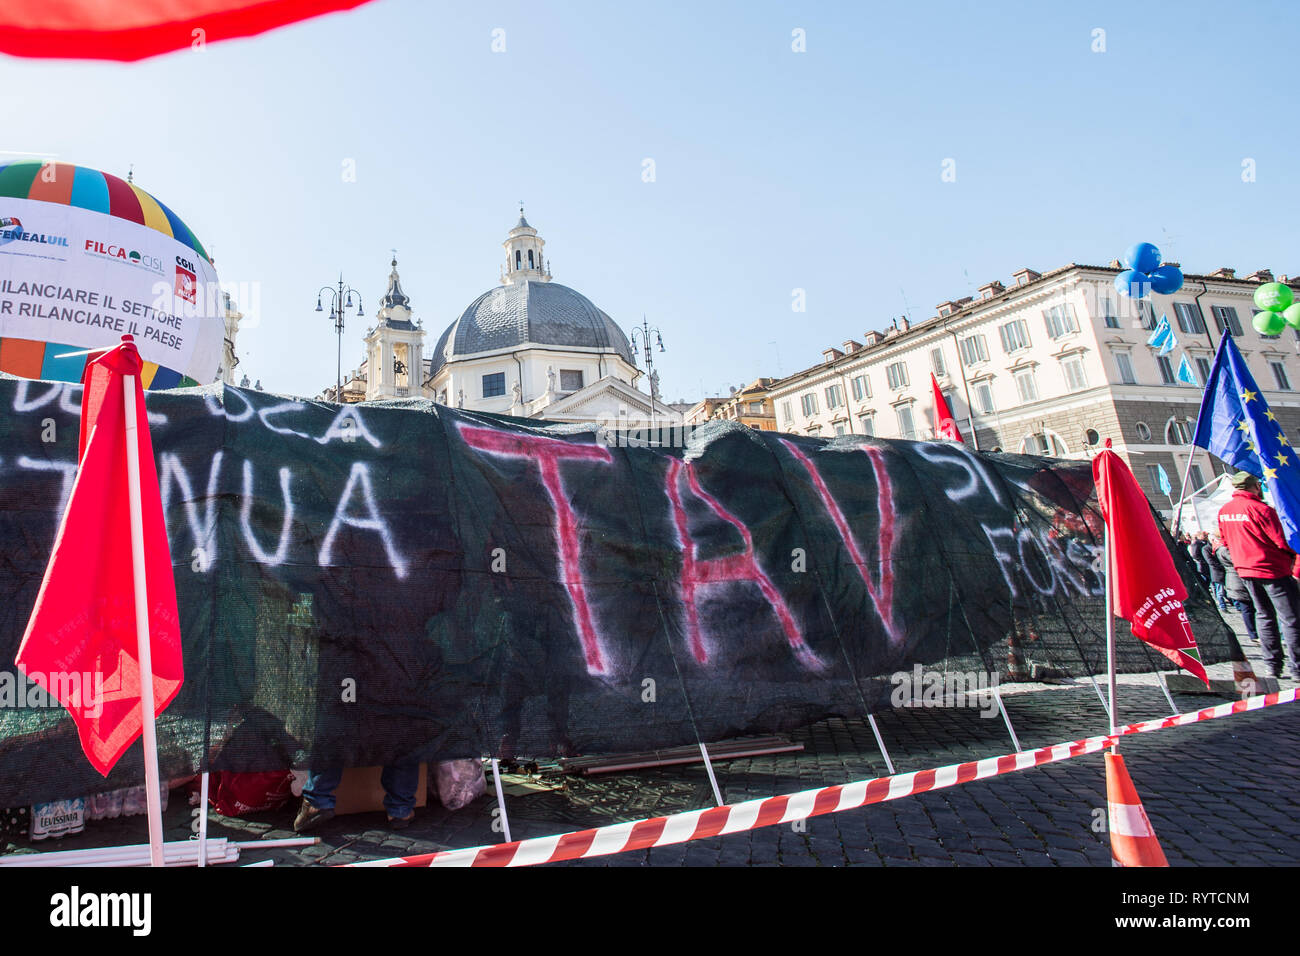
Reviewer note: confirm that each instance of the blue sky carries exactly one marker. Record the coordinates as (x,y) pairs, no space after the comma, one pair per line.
(774,170)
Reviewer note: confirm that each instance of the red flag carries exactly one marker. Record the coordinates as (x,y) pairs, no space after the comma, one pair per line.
(944,425)
(1147,589)
(135,29)
(81,643)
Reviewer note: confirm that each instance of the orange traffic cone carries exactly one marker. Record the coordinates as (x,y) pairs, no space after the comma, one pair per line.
(1132,841)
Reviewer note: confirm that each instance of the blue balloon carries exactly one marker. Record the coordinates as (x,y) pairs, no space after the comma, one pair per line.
(1130,282)
(1142,257)
(1166,279)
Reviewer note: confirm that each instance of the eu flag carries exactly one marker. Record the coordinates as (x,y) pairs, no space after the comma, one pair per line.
(1235,424)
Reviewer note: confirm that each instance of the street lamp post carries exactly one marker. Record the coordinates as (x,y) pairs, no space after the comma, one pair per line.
(337,305)
(645,331)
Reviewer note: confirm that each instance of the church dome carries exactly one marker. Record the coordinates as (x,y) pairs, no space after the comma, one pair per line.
(530,312)
(528,309)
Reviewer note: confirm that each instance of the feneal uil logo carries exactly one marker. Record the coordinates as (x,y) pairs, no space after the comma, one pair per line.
(11,230)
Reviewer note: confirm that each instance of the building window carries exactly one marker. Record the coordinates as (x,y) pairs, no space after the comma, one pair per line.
(897,375)
(984,398)
(809,403)
(787,412)
(1059,320)
(1225,317)
(814,430)
(1203,366)
(1147,315)
(1166,370)
(861,388)
(1279,373)
(1196,478)
(1125,365)
(834,396)
(906,423)
(494,384)
(839,429)
(756,408)
(1153,476)
(1190,319)
(936,361)
(868,423)
(1026,385)
(570,379)
(974,350)
(1075,379)
(1143,431)
(1177,432)
(1015,335)
(1041,443)
(1108,313)
(518,257)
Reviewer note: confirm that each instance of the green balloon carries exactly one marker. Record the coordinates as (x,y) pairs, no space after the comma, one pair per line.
(1292,315)
(1269,323)
(1273,296)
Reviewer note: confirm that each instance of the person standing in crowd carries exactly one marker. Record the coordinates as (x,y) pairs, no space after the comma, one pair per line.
(1196,551)
(1263,559)
(1217,575)
(1235,589)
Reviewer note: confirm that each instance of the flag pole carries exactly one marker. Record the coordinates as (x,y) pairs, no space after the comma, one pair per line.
(1187,478)
(1110,630)
(152,786)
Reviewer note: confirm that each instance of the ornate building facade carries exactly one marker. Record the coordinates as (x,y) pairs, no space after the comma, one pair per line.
(530,347)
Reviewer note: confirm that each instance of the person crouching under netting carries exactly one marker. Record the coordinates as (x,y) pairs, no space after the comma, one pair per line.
(399,781)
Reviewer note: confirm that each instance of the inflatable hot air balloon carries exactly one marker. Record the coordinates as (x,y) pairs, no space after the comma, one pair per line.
(86,256)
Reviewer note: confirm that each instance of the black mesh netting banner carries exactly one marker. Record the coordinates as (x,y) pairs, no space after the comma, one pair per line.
(404,580)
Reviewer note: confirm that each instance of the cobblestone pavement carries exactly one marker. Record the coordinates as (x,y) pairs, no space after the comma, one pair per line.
(1223,792)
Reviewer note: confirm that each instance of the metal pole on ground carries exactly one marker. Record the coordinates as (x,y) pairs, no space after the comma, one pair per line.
(501,798)
(713,781)
(152,785)
(1110,633)
(203,819)
(880,742)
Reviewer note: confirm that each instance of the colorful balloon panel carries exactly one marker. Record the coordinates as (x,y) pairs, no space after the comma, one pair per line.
(91,189)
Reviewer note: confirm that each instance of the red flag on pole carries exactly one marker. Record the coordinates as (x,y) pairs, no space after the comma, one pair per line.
(944,424)
(135,29)
(81,641)
(1147,590)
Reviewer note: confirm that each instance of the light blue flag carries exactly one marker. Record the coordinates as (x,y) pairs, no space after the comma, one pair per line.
(1185,373)
(1166,488)
(1163,337)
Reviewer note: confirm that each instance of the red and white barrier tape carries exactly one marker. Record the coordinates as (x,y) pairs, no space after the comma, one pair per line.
(752,814)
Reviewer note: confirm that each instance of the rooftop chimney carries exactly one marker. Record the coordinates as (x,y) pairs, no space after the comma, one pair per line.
(1223,272)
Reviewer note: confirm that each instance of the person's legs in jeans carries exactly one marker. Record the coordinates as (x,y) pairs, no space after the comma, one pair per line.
(320,786)
(399,781)
(1265,623)
(1216,588)
(1247,611)
(1285,593)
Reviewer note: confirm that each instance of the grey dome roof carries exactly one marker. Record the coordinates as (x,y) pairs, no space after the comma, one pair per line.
(543,313)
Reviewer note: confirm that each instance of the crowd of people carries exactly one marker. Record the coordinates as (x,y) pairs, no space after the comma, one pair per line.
(1248,565)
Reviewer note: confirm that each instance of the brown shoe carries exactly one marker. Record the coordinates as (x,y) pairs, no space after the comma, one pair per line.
(401,823)
(310,817)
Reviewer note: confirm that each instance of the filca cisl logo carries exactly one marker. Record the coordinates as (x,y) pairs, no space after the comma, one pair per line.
(109,250)
(12,230)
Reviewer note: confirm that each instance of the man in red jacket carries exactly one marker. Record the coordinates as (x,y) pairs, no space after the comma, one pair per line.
(1251,530)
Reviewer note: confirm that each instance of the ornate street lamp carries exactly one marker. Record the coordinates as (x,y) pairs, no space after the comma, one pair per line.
(340,299)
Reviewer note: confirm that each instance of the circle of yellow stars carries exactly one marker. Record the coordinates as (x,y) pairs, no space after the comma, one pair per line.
(1281,457)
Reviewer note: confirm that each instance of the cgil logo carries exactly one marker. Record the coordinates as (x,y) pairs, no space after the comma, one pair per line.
(76,909)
